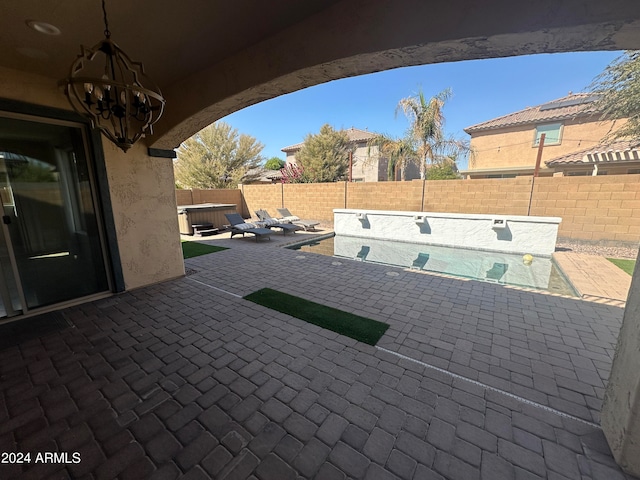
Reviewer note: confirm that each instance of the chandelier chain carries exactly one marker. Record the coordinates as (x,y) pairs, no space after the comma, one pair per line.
(107,33)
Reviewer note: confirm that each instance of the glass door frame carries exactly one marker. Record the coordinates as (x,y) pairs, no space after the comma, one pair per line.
(101,198)
(15,272)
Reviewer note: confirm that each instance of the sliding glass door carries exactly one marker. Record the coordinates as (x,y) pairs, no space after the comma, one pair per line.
(52,246)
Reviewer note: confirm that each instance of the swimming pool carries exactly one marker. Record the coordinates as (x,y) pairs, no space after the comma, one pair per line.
(494,267)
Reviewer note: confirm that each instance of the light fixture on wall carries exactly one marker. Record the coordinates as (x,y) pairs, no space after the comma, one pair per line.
(113,91)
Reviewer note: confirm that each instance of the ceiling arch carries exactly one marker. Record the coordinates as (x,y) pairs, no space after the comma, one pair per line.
(211,58)
(358,37)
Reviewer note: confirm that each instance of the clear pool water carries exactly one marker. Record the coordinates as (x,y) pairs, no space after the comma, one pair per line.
(501,268)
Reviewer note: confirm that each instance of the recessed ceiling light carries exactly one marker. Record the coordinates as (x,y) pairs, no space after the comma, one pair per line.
(43,27)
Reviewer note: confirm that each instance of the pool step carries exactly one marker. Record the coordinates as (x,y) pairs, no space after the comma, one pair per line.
(204,229)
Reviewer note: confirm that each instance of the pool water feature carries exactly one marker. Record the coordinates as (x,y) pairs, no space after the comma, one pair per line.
(514,234)
(493,267)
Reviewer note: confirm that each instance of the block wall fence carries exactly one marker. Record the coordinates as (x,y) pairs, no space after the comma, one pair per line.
(604,209)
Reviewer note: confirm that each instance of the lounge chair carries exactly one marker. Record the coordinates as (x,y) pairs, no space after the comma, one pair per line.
(239,226)
(287,217)
(269,222)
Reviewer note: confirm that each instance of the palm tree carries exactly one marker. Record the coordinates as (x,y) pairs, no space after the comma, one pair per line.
(427,128)
(400,153)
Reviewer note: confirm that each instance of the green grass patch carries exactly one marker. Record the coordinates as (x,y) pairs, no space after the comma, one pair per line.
(626,265)
(195,249)
(353,326)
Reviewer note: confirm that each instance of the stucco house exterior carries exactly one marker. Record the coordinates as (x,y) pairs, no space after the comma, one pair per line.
(368,164)
(507,146)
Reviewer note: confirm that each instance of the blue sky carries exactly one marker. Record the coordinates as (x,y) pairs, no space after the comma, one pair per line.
(482,90)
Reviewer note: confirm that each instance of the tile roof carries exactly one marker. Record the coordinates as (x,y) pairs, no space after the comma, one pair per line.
(292,148)
(571,106)
(620,151)
(354,134)
(261,174)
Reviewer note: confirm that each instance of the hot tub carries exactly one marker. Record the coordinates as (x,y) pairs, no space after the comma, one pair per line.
(204,213)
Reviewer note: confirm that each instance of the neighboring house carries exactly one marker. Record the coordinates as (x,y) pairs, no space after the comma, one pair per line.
(614,158)
(507,146)
(261,175)
(368,166)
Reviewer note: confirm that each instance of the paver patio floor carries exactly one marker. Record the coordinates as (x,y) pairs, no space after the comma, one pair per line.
(587,273)
(185,378)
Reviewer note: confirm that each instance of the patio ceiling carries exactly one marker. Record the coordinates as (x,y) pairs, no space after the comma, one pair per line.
(211,58)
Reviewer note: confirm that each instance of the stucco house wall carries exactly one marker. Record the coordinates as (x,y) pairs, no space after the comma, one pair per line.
(514,146)
(144,207)
(507,145)
(141,192)
(368,165)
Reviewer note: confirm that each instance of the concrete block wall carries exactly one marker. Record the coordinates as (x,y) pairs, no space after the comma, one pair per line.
(184,197)
(314,201)
(222,195)
(597,209)
(262,197)
(493,196)
(604,209)
(403,196)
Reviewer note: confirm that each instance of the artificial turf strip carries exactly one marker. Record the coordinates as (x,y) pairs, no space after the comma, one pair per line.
(626,265)
(353,326)
(195,249)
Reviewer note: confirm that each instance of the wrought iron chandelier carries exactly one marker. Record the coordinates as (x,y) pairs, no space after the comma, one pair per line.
(113,91)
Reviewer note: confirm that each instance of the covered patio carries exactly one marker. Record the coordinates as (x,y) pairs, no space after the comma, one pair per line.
(161,375)
(186,378)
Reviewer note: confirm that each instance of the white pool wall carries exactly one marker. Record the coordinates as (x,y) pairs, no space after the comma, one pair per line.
(498,233)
